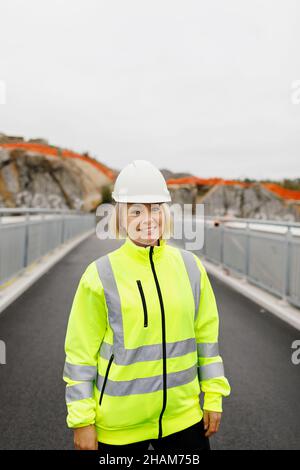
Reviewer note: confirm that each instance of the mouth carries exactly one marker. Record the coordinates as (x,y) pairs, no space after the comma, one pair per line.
(149,230)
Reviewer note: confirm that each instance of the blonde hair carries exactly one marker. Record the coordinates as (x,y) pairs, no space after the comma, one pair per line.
(116,228)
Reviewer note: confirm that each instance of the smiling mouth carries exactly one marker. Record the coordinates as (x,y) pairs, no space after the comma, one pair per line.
(149,230)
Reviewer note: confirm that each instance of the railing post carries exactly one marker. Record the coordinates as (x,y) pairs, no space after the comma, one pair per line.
(286,287)
(204,242)
(247,254)
(26,240)
(62,235)
(222,244)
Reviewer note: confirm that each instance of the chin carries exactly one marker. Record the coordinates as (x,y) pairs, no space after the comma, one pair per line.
(147,241)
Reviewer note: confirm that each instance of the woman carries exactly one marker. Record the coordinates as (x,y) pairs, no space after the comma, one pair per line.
(142,337)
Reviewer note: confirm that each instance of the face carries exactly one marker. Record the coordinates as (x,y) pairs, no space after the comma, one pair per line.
(144,222)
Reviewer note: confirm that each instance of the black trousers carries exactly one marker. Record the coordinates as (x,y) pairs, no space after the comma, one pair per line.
(188,441)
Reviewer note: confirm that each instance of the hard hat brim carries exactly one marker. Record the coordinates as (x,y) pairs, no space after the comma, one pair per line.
(142,198)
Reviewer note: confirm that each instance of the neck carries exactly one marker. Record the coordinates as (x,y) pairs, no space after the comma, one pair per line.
(142,253)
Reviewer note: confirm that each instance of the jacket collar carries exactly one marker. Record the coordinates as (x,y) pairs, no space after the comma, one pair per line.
(142,253)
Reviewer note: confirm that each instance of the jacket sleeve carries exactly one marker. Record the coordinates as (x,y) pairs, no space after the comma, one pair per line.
(85,331)
(213,382)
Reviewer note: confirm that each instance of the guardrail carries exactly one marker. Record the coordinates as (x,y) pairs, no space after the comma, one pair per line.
(27,234)
(265,253)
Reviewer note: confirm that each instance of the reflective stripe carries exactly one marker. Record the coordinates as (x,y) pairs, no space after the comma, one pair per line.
(106,350)
(75,372)
(152,352)
(194,274)
(146,384)
(112,298)
(209,371)
(79,391)
(208,349)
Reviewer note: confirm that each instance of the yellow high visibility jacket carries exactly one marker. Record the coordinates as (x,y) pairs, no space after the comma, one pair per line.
(142,344)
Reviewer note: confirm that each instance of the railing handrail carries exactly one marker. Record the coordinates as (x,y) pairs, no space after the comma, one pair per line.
(37,210)
(252,221)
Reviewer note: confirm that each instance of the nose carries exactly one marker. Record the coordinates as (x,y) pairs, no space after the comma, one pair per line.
(149,221)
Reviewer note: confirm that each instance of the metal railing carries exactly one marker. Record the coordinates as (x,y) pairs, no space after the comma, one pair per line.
(27,234)
(265,253)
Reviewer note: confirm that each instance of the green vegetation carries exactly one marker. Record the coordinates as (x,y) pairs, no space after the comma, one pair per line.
(106,194)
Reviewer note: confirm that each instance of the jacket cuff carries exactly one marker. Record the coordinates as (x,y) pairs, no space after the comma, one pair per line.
(212,402)
(81,425)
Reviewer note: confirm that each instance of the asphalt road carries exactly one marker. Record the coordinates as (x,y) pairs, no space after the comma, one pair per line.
(262,412)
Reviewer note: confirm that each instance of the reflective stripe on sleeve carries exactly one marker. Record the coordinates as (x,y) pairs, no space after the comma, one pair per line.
(208,349)
(78,372)
(79,391)
(209,371)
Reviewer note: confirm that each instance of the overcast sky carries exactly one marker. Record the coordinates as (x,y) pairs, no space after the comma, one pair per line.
(196,86)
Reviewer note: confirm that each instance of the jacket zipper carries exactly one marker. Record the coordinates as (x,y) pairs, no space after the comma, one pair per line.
(105,378)
(163,325)
(144,302)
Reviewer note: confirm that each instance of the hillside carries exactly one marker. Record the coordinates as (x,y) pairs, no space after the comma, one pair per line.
(36,174)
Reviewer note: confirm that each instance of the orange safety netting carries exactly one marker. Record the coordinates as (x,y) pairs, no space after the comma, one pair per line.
(273,187)
(57,152)
(283,192)
(204,181)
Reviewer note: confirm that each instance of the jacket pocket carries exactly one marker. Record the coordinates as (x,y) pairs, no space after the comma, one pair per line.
(105,378)
(144,302)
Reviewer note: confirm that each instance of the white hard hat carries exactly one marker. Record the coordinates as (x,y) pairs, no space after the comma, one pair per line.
(140,181)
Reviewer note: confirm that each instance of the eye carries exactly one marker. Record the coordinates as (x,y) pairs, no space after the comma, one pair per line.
(135,211)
